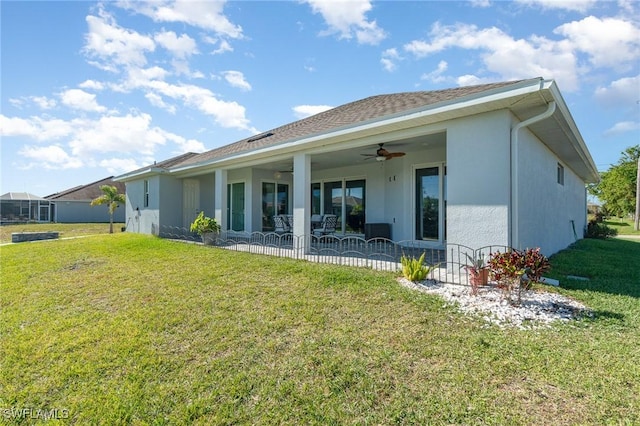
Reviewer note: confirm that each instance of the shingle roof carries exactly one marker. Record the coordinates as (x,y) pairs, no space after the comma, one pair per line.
(371,108)
(86,192)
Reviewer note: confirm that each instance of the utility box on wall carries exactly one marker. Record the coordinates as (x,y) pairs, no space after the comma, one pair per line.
(377,230)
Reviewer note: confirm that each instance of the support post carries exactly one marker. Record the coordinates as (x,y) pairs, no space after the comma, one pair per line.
(301,203)
(220,198)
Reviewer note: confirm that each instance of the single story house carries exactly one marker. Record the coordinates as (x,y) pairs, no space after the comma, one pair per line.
(21,207)
(491,164)
(74,205)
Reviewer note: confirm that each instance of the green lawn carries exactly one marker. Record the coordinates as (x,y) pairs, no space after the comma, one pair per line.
(624,226)
(65,229)
(132,329)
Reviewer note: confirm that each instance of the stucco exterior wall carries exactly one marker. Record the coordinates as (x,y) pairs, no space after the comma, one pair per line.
(548,211)
(139,218)
(82,212)
(169,196)
(478,180)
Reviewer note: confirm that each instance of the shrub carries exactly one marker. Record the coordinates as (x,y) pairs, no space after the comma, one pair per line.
(600,230)
(508,268)
(414,269)
(204,224)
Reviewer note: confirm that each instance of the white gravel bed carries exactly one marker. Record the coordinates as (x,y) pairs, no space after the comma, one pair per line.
(537,308)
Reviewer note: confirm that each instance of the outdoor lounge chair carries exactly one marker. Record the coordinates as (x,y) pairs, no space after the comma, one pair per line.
(280,224)
(328,225)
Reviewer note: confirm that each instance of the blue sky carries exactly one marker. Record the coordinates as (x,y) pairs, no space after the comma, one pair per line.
(93,89)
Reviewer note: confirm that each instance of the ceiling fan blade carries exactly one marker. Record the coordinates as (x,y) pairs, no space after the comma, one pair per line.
(395,154)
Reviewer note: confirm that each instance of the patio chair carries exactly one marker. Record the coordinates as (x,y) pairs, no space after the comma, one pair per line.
(316,221)
(289,221)
(328,226)
(280,224)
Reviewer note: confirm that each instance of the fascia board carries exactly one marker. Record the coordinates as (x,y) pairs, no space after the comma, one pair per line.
(577,141)
(139,174)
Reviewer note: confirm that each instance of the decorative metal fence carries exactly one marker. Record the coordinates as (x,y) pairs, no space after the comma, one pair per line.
(376,253)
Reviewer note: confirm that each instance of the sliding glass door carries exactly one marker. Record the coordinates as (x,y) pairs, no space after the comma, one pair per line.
(343,198)
(429,184)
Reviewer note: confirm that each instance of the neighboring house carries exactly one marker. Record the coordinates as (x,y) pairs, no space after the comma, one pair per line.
(20,207)
(493,164)
(74,205)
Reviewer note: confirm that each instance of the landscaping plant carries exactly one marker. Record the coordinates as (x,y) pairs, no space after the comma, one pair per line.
(414,269)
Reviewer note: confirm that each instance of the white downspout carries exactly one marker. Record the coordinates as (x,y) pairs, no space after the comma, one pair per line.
(514,238)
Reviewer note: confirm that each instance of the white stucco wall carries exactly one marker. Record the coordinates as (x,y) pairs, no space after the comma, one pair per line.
(139,218)
(73,211)
(478,180)
(546,209)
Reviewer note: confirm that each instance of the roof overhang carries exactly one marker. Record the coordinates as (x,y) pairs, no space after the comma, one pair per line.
(524,99)
(139,174)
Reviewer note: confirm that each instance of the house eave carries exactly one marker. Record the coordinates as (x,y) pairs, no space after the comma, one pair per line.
(430,114)
(152,171)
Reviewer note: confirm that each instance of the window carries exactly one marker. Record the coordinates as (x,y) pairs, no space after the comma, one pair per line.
(560,174)
(146,193)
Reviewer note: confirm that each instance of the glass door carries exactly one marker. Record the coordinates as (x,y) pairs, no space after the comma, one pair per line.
(235,206)
(354,206)
(275,201)
(428,203)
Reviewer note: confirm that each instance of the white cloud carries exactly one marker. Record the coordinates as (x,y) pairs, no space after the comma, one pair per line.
(81,140)
(115,45)
(226,114)
(207,15)
(480,3)
(236,79)
(624,92)
(184,145)
(436,76)
(303,111)
(119,165)
(129,133)
(504,55)
(623,127)
(15,126)
(223,45)
(180,46)
(157,101)
(571,5)
(472,80)
(348,19)
(79,99)
(49,157)
(608,42)
(16,103)
(389,58)
(35,128)
(44,102)
(91,84)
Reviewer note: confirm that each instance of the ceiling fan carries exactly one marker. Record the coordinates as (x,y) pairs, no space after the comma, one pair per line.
(382,154)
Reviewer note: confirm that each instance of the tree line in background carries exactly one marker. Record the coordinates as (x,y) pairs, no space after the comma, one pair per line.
(618,185)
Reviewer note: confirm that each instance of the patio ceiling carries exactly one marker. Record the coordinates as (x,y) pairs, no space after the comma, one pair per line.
(353,156)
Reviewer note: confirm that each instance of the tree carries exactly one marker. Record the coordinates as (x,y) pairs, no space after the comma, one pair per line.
(112,199)
(617,186)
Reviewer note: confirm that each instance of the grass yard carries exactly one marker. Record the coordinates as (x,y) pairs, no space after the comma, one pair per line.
(132,329)
(624,226)
(65,229)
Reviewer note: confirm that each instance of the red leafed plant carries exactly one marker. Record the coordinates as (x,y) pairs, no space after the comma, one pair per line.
(535,264)
(515,263)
